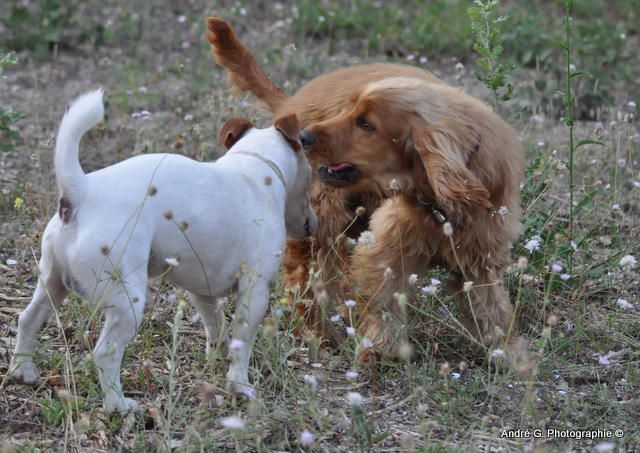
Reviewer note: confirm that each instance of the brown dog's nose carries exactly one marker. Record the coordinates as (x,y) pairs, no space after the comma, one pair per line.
(307,138)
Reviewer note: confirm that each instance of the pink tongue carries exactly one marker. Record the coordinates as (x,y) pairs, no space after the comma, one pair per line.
(341,166)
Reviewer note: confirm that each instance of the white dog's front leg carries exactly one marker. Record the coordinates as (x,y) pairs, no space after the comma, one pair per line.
(253,299)
(123,315)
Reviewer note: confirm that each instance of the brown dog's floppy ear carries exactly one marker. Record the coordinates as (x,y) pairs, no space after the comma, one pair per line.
(289,127)
(458,192)
(232,130)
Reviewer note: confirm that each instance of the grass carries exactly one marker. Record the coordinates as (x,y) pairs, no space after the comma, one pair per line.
(448,398)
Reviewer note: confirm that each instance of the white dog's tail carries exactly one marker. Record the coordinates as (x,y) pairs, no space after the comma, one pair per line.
(85,112)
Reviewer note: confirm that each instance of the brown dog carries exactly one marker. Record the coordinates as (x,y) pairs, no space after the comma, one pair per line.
(437,169)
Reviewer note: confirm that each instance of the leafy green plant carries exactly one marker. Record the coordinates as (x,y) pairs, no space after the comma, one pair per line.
(485,27)
(40,26)
(52,412)
(569,120)
(9,138)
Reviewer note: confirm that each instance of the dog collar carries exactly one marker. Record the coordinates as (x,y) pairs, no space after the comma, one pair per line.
(270,163)
(437,213)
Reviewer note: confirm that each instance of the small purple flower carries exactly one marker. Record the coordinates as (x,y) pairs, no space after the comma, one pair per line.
(236,345)
(366,343)
(351,375)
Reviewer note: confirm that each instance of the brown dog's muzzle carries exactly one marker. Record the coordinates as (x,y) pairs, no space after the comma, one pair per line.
(335,174)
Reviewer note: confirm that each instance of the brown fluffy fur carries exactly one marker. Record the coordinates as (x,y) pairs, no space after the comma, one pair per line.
(431,142)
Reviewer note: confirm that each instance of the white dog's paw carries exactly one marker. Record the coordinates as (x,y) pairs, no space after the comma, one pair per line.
(239,383)
(24,371)
(121,404)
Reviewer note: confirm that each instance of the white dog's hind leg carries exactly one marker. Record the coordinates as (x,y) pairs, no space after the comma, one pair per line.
(123,314)
(212,318)
(50,293)
(253,299)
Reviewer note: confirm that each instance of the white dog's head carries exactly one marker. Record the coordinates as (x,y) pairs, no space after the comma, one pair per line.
(300,219)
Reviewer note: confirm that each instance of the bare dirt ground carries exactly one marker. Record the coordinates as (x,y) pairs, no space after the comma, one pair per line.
(446,399)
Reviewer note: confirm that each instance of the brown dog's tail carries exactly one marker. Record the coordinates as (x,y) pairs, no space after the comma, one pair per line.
(245,72)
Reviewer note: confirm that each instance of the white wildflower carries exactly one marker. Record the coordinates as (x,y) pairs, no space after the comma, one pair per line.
(188,117)
(615,207)
(459,66)
(335,318)
(429,289)
(466,287)
(366,343)
(232,422)
(306,438)
(533,244)
(351,331)
(411,57)
(413,279)
(355,399)
(538,118)
(11,262)
(423,60)
(388,274)
(455,375)
(628,262)
(636,184)
(350,303)
(351,375)
(182,18)
(604,360)
(503,211)
(173,262)
(624,304)
(435,282)
(366,238)
(497,353)
(565,277)
(311,380)
(606,447)
(447,229)
(555,267)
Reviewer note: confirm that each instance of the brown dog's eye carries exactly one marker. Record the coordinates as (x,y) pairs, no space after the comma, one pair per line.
(362,123)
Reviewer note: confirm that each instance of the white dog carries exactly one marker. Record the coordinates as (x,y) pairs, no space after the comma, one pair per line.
(207,227)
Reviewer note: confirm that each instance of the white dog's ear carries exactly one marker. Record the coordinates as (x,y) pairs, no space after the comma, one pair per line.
(232,131)
(289,127)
